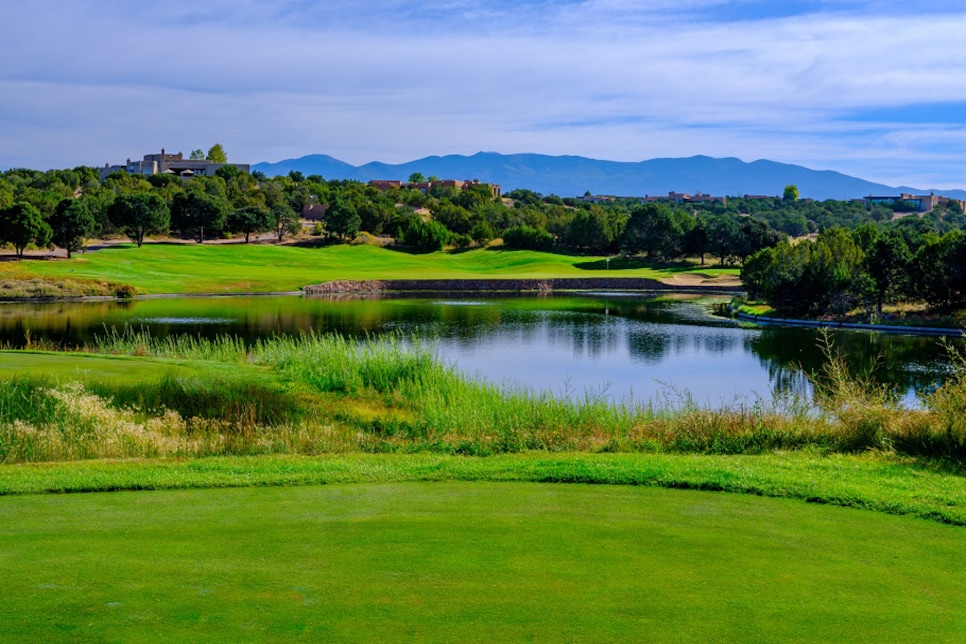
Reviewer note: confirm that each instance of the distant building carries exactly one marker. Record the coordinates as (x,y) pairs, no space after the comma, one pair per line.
(426,186)
(916,203)
(314,211)
(386,184)
(671,197)
(684,198)
(174,164)
(599,198)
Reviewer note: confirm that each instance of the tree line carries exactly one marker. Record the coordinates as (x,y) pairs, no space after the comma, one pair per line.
(66,207)
(909,260)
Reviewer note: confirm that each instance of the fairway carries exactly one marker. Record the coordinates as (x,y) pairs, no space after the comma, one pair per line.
(471,562)
(60,366)
(238,268)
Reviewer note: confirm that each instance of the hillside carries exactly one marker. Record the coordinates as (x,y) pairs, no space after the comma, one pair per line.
(573,175)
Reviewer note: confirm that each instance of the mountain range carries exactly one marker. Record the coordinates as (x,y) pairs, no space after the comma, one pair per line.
(569,176)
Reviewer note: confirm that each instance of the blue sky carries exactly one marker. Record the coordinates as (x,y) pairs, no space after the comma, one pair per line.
(872,88)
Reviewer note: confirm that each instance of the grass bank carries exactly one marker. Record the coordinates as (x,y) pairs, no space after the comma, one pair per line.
(180,397)
(465,562)
(240,268)
(872,481)
(323,394)
(226,523)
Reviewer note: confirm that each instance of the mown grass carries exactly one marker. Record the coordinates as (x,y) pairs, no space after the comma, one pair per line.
(397,557)
(234,268)
(466,562)
(873,481)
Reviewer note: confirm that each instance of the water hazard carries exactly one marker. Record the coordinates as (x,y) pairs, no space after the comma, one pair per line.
(622,347)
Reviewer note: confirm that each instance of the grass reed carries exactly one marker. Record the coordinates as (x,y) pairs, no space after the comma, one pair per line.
(324,393)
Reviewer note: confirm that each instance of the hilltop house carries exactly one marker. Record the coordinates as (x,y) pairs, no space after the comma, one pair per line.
(919,203)
(174,164)
(683,197)
(672,197)
(426,186)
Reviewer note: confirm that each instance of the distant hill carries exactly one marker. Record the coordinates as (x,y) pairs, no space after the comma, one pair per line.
(569,176)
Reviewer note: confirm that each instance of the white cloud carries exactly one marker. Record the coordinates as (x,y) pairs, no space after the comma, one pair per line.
(392,80)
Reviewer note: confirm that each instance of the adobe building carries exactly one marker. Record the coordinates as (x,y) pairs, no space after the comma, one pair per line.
(174,164)
(426,186)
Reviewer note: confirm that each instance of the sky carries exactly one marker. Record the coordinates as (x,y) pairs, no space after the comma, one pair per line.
(871,88)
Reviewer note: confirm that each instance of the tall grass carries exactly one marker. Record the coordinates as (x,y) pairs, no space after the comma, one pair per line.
(943,433)
(133,342)
(184,417)
(325,393)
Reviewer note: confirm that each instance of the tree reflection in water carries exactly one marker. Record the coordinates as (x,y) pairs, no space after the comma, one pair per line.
(618,343)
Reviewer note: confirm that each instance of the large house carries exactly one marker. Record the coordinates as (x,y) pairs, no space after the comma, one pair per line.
(426,186)
(174,164)
(917,203)
(672,197)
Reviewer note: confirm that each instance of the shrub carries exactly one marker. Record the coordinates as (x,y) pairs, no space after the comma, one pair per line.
(124,291)
(426,235)
(528,238)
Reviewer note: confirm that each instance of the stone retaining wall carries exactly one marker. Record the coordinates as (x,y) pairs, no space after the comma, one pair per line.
(496,285)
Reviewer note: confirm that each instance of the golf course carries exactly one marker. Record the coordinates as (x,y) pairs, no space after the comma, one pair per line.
(171,268)
(318,488)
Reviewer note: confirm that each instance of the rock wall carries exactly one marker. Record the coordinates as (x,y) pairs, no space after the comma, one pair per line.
(514,285)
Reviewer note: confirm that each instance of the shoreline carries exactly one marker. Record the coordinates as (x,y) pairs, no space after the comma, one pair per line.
(849,326)
(382,287)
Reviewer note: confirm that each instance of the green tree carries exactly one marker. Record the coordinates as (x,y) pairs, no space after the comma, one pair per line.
(425,235)
(374,215)
(481,233)
(22,225)
(791,193)
(342,220)
(834,267)
(197,155)
(248,220)
(724,238)
(474,196)
(754,234)
(656,230)
(525,237)
(931,268)
(198,214)
(696,240)
(416,177)
(590,231)
(456,218)
(284,221)
(139,214)
(228,172)
(72,223)
(888,262)
(216,154)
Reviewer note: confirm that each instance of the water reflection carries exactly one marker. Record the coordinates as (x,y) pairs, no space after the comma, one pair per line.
(628,347)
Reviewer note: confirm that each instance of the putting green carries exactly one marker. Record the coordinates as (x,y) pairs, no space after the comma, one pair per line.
(471,562)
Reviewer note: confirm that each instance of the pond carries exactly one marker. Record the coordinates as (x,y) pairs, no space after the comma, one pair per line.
(624,347)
